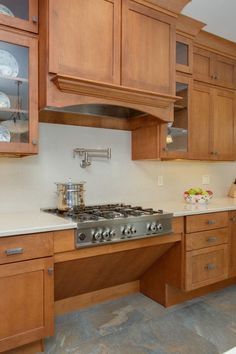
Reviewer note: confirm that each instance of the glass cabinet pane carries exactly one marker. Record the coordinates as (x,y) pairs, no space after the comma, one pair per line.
(15,8)
(182,53)
(177,132)
(14,93)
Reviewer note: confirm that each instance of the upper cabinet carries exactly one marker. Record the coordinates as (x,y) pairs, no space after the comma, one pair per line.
(18,93)
(214,68)
(85,39)
(147,48)
(21,14)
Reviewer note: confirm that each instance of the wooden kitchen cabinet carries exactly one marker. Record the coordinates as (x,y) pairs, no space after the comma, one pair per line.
(213,68)
(212,123)
(206,249)
(184,54)
(148,39)
(84,39)
(26,287)
(20,14)
(19,95)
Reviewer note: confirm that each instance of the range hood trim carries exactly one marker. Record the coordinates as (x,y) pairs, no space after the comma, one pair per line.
(111,92)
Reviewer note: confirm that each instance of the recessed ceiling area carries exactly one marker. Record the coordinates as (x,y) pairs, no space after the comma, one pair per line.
(219,15)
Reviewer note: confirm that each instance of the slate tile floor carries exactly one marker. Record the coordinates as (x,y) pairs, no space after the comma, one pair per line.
(137,325)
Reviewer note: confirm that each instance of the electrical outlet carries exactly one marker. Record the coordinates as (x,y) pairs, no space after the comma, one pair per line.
(160,180)
(206,179)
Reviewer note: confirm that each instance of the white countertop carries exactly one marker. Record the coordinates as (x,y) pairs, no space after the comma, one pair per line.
(20,223)
(181,208)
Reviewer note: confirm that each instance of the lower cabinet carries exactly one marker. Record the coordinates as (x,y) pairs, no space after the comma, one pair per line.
(26,301)
(232,263)
(207,250)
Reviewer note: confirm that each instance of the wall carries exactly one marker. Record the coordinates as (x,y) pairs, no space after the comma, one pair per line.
(28,183)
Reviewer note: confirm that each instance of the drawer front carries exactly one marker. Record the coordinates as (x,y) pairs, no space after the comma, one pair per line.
(209,221)
(207,266)
(19,248)
(204,239)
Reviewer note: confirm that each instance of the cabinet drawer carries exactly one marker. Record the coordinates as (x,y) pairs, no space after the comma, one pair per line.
(209,221)
(206,266)
(203,239)
(19,248)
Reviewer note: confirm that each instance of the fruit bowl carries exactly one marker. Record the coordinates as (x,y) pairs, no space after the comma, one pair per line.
(197,196)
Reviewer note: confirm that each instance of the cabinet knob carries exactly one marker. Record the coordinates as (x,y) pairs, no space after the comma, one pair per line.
(35,142)
(50,271)
(210,266)
(35,19)
(233,219)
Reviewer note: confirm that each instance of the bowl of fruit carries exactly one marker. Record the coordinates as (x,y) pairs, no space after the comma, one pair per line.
(197,196)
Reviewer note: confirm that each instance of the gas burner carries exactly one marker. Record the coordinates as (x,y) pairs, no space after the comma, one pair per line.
(117,222)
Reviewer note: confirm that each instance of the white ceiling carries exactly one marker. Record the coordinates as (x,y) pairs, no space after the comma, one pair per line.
(219,15)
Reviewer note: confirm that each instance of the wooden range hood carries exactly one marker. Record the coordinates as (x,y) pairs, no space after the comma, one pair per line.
(71,97)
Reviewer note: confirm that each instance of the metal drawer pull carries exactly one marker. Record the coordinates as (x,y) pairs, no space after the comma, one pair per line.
(12,251)
(211,222)
(211,239)
(50,271)
(210,266)
(233,219)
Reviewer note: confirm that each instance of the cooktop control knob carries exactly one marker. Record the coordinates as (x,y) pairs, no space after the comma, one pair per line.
(159,227)
(133,230)
(113,233)
(106,234)
(82,236)
(97,235)
(127,231)
(152,227)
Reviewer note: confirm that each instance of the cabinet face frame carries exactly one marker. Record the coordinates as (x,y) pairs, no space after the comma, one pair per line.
(188,69)
(31,25)
(31,147)
(24,272)
(164,154)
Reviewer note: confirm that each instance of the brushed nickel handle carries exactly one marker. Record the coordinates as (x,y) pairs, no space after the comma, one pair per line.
(211,239)
(35,142)
(211,222)
(210,266)
(50,271)
(13,251)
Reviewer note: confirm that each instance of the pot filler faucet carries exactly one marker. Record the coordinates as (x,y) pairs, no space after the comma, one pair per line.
(86,155)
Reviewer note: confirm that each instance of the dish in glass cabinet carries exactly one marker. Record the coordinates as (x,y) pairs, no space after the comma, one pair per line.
(16,127)
(5,135)
(4,101)
(8,64)
(5,11)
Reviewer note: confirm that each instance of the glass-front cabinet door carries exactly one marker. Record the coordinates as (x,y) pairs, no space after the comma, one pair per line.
(21,14)
(184,54)
(18,94)
(175,135)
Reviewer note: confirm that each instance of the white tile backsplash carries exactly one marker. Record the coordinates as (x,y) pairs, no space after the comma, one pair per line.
(28,183)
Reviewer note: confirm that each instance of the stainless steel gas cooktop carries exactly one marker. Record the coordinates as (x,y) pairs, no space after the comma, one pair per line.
(108,223)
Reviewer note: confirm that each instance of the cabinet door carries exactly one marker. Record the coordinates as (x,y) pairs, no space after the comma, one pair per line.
(223,121)
(203,65)
(232,258)
(18,94)
(225,72)
(22,14)
(206,266)
(148,48)
(199,123)
(84,39)
(26,302)
(174,136)
(184,54)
